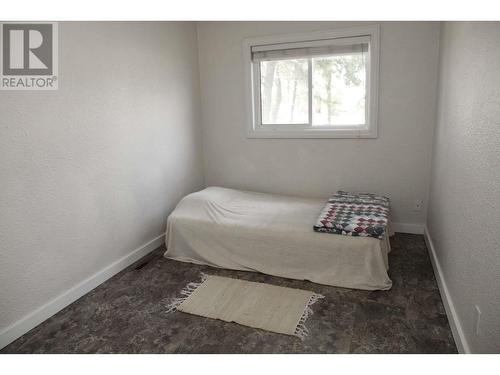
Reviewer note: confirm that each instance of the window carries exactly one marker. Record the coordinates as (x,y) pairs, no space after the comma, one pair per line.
(316,85)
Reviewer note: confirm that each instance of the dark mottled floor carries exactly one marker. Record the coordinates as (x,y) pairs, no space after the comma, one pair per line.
(126,314)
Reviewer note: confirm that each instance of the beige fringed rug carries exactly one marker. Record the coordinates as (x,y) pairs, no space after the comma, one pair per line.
(273,308)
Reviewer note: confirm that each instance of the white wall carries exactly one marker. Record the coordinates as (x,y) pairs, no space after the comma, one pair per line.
(90,172)
(465,191)
(397,163)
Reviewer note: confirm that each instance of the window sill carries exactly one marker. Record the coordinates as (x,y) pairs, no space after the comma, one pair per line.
(310,133)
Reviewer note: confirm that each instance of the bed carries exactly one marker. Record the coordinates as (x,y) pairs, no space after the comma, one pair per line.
(272,234)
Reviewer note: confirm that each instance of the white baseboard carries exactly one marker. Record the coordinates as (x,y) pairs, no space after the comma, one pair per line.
(456,327)
(44,312)
(413,228)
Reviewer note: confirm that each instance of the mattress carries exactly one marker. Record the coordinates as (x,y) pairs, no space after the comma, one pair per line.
(272,234)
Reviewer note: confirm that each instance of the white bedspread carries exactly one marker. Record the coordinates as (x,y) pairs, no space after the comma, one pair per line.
(272,234)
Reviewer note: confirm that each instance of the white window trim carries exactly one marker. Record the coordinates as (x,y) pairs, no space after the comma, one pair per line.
(252,87)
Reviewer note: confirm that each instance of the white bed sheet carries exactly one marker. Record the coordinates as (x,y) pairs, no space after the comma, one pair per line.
(272,234)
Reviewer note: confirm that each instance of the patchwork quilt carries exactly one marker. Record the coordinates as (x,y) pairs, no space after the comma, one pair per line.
(363,215)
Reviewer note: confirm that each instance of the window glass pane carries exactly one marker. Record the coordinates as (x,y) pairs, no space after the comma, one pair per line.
(284,92)
(339,90)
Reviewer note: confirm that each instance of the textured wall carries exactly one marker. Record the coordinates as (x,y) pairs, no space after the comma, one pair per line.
(397,163)
(89,172)
(465,189)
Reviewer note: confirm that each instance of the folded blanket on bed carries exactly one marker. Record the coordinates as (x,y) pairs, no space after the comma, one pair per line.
(364,215)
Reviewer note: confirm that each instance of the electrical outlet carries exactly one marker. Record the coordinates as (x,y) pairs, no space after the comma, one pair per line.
(477,319)
(417,205)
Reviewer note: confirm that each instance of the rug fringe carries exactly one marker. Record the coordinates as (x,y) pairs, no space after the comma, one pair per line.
(301,330)
(185,292)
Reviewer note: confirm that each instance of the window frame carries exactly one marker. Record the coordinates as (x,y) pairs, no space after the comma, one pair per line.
(255,129)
